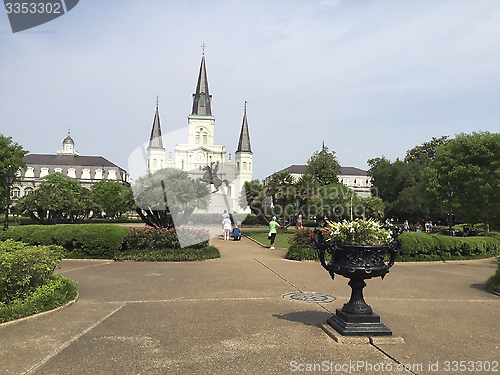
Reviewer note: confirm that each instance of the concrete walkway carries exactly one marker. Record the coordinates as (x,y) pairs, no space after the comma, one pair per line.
(228,316)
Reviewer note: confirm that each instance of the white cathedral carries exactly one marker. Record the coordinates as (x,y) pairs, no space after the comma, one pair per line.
(200,151)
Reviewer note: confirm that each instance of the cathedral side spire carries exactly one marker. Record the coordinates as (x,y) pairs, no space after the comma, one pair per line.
(155,141)
(244,143)
(202,98)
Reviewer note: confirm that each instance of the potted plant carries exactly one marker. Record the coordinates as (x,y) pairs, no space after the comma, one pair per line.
(357,251)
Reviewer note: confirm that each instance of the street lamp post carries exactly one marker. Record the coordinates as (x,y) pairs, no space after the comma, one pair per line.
(9,179)
(449,192)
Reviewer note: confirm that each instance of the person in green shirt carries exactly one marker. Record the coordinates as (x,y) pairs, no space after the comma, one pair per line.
(272,231)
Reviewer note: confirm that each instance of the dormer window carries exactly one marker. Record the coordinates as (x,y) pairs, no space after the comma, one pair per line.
(202,100)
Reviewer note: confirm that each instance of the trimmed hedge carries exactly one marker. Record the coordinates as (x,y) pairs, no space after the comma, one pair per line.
(99,241)
(493,282)
(418,247)
(422,246)
(57,291)
(23,268)
(172,255)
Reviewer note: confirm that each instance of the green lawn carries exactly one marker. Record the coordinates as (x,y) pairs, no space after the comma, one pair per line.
(260,235)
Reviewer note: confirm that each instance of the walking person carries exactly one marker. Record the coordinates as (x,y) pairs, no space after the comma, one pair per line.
(226,224)
(272,231)
(299,222)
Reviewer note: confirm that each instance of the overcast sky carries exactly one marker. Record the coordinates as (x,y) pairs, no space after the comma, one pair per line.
(369,78)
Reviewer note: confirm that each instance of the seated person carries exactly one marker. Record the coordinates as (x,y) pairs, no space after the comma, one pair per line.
(236,233)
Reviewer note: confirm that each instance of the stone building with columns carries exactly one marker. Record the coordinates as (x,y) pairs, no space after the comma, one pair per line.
(86,169)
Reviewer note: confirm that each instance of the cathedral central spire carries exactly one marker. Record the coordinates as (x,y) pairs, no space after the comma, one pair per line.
(202,98)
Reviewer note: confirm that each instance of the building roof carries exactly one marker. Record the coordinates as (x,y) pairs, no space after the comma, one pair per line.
(155,140)
(244,143)
(202,98)
(346,171)
(83,161)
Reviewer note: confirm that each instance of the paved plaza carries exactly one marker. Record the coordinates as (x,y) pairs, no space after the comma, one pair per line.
(228,316)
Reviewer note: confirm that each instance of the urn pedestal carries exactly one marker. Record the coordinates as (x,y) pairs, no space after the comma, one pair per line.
(357,263)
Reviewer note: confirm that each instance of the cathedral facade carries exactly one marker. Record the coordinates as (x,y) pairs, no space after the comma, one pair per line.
(200,157)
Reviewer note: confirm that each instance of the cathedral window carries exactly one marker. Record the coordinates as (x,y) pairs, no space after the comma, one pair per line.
(197,138)
(154,163)
(202,100)
(238,166)
(205,138)
(249,166)
(244,165)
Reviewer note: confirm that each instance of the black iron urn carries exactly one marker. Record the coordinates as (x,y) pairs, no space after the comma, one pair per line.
(357,263)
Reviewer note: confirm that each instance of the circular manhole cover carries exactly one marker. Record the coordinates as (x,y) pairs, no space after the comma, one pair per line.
(309,297)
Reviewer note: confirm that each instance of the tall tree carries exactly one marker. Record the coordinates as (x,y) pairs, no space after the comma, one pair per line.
(168,197)
(324,166)
(57,199)
(307,190)
(471,164)
(282,191)
(389,179)
(111,197)
(11,154)
(253,195)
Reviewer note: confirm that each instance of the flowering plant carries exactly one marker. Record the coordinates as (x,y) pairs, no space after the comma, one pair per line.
(360,231)
(148,238)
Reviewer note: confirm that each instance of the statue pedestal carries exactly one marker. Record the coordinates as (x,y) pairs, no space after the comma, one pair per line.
(358,324)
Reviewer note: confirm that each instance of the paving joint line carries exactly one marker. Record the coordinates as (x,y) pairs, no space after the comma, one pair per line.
(68,343)
(277,274)
(391,357)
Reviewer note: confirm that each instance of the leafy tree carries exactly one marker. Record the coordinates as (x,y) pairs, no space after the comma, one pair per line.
(57,199)
(306,192)
(389,179)
(112,197)
(168,197)
(420,156)
(373,207)
(253,195)
(324,166)
(11,154)
(334,202)
(425,152)
(411,205)
(471,164)
(282,191)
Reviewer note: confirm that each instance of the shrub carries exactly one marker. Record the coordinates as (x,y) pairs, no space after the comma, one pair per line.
(251,219)
(298,253)
(302,239)
(422,246)
(57,291)
(148,238)
(186,254)
(23,268)
(101,241)
(310,224)
(493,282)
